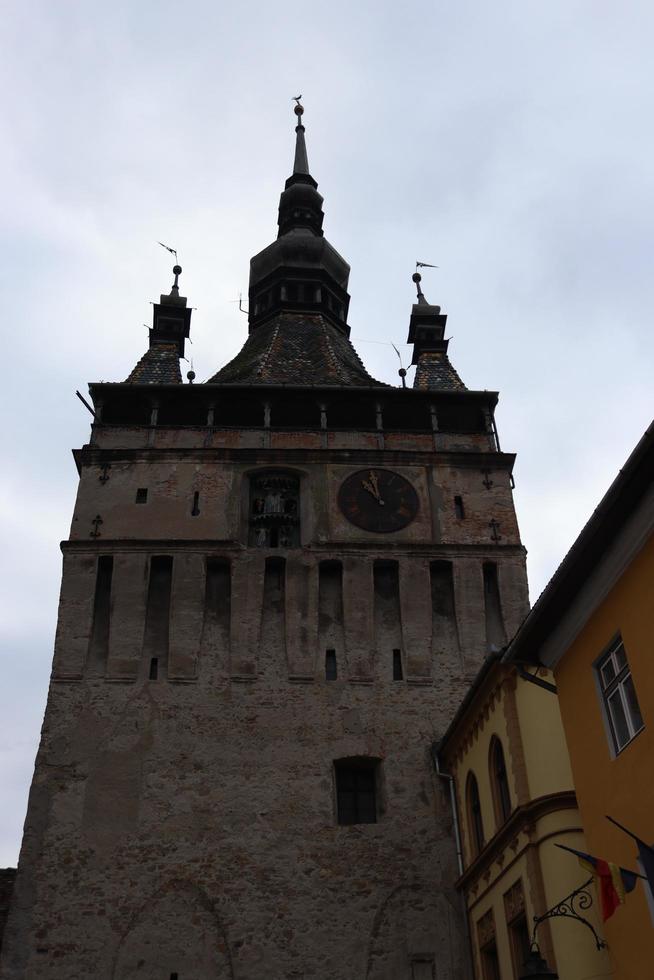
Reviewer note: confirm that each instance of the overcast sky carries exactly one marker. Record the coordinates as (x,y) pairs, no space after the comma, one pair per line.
(508,142)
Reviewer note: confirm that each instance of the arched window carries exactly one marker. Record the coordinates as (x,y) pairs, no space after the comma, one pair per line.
(474,814)
(499,782)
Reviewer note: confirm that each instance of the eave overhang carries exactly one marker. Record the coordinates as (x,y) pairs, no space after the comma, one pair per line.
(619,526)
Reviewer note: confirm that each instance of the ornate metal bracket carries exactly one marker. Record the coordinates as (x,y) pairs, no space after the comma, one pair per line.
(495,530)
(96,522)
(579,900)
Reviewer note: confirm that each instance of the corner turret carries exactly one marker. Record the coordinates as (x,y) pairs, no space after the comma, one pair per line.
(427,334)
(171,325)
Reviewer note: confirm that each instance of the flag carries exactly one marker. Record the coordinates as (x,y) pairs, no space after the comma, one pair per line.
(613,882)
(645,854)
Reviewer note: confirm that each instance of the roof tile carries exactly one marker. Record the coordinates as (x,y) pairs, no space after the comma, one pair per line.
(158,366)
(297,349)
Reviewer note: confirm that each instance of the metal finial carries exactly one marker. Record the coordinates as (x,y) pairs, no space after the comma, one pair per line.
(417,278)
(402,370)
(191,376)
(301,162)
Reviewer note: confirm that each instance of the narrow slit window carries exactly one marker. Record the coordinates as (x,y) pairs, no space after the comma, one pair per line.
(458,508)
(195,509)
(99,645)
(154,668)
(331,672)
(397,666)
(142,495)
(157,615)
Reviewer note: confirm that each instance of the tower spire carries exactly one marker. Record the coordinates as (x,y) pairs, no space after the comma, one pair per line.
(300,205)
(171,325)
(301,161)
(427,334)
(300,273)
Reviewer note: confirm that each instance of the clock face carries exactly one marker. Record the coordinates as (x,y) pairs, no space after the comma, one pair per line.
(378,500)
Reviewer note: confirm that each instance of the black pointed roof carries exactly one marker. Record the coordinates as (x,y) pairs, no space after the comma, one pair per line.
(298,299)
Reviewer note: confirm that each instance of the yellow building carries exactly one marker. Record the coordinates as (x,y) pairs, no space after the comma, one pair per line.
(505,758)
(593,627)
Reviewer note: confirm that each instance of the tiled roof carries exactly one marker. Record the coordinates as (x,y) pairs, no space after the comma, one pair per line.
(158,366)
(434,371)
(296,349)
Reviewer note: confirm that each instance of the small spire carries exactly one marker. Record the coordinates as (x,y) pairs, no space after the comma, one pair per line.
(417,278)
(301,162)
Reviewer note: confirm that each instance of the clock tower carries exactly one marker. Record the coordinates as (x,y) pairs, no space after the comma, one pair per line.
(277,587)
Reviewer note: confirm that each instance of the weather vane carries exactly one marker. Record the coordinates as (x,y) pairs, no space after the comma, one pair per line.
(173,251)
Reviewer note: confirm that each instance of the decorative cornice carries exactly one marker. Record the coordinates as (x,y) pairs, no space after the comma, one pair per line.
(474,458)
(522,819)
(320,550)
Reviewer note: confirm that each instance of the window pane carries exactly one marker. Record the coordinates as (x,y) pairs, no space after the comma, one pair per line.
(366,780)
(521,942)
(346,779)
(619,720)
(608,672)
(501,783)
(366,807)
(620,657)
(491,963)
(632,704)
(346,811)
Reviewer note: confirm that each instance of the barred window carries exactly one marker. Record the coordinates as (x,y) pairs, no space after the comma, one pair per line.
(619,695)
(356,781)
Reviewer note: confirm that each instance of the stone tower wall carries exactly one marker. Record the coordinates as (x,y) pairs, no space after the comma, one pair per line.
(186,825)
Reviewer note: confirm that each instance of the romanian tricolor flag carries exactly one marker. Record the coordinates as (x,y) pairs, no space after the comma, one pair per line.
(613,882)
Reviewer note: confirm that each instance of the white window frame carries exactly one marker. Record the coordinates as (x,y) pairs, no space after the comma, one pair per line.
(615,687)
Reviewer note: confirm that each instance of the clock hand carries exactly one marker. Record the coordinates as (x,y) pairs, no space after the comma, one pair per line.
(372,487)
